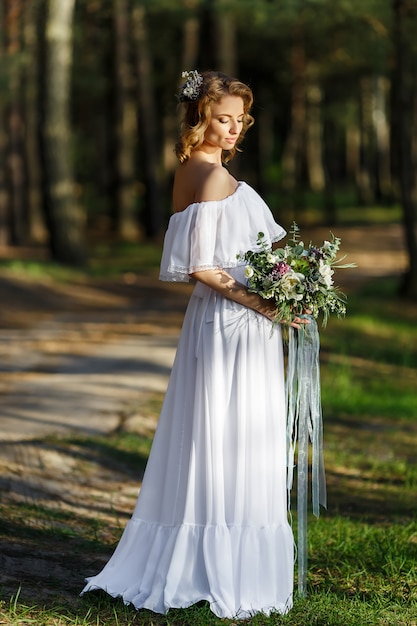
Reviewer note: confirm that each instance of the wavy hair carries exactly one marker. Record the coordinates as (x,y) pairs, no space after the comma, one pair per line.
(197,113)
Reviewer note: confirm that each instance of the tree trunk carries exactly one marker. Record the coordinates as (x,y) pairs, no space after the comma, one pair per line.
(403,106)
(331,158)
(16,160)
(37,231)
(126,125)
(208,43)
(314,133)
(191,40)
(414,146)
(291,158)
(366,186)
(381,130)
(265,145)
(66,217)
(225,39)
(4,185)
(353,151)
(147,125)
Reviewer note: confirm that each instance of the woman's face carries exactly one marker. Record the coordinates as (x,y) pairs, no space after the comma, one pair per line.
(226,123)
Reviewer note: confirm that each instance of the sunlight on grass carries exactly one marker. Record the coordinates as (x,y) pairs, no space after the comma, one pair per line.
(41,269)
(365,390)
(105,261)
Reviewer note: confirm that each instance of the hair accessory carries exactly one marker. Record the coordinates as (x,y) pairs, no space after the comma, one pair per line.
(190,90)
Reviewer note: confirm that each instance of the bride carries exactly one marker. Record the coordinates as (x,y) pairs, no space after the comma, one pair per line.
(210,522)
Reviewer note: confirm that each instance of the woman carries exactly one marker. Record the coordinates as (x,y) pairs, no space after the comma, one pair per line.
(211,519)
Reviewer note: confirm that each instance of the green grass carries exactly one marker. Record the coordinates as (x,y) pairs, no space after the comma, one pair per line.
(310,208)
(106,260)
(362,550)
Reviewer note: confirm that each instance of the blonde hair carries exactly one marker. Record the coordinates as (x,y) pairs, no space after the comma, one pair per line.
(197,113)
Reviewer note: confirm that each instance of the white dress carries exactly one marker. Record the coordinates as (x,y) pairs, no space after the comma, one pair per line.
(211,522)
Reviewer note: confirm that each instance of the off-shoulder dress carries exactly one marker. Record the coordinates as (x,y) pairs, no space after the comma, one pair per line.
(211,522)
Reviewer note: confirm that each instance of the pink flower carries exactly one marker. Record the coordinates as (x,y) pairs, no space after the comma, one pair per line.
(280,269)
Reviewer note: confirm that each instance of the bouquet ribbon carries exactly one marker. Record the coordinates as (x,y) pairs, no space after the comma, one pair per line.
(304,425)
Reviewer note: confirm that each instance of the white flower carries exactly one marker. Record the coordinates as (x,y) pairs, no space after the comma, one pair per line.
(326,274)
(271,258)
(190,90)
(327,246)
(289,285)
(248,271)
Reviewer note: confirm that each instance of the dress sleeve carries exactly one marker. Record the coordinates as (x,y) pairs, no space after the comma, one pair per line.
(190,242)
(212,234)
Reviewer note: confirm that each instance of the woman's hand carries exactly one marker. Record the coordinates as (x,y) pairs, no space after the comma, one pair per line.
(298,322)
(269,311)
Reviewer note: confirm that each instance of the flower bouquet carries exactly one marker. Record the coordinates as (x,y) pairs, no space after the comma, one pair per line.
(300,279)
(297,278)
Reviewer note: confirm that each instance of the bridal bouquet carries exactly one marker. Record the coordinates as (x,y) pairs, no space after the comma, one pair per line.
(297,277)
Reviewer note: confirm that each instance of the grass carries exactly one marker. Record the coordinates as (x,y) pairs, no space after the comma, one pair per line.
(362,551)
(106,260)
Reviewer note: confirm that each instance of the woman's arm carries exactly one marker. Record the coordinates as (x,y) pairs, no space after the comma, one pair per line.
(227,286)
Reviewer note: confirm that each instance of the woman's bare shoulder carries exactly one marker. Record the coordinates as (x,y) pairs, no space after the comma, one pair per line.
(200,181)
(214,184)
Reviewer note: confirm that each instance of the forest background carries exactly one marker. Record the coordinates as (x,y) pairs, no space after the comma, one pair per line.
(88,122)
(89,116)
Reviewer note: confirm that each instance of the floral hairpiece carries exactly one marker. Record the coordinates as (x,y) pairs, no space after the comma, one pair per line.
(190,90)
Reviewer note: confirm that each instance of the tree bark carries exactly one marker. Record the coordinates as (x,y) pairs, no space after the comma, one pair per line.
(292,153)
(382,139)
(353,151)
(366,182)
(147,125)
(65,215)
(16,160)
(314,133)
(126,125)
(4,185)
(37,231)
(207,56)
(225,39)
(403,106)
(191,42)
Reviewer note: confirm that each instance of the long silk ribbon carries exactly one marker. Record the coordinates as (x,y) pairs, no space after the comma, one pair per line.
(304,424)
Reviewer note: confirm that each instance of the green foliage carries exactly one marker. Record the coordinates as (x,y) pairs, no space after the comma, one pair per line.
(106,260)
(335,45)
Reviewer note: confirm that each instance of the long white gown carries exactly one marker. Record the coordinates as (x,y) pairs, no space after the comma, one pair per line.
(211,522)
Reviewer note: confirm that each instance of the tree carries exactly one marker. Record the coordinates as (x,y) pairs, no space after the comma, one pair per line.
(404,89)
(66,219)
(4,186)
(126,125)
(291,158)
(147,124)
(36,226)
(15,123)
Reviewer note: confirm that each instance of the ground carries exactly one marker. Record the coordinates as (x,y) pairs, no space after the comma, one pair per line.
(85,336)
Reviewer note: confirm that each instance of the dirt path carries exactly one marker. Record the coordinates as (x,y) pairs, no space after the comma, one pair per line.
(71,355)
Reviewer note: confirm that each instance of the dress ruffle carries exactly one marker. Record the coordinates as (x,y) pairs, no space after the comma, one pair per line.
(209,235)
(200,563)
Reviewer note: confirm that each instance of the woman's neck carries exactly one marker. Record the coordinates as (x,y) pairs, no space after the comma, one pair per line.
(208,154)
